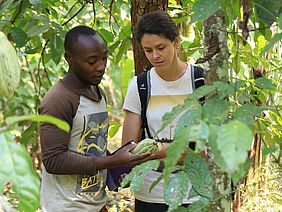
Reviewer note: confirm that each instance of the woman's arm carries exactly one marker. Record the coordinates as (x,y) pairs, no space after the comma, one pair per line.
(131,127)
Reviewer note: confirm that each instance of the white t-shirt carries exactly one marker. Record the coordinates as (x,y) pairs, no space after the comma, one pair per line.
(164,96)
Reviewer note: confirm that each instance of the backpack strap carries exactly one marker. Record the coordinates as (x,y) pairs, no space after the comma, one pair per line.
(197,76)
(144,90)
(198,80)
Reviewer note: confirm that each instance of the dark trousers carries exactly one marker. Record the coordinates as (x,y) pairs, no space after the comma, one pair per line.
(141,206)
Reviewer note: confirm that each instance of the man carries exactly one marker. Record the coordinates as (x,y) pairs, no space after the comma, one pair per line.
(74,164)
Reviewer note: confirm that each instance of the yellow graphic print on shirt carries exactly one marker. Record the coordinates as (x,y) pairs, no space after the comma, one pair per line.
(93,142)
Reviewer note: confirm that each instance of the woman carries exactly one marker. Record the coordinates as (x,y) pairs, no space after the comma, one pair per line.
(170,81)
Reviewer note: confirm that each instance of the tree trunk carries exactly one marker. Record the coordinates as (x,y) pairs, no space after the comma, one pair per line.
(138,9)
(216,54)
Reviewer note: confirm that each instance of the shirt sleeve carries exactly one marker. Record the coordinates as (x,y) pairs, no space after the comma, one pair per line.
(132,100)
(57,159)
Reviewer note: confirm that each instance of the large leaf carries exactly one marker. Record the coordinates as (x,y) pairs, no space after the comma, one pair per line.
(265,83)
(189,117)
(202,9)
(137,174)
(125,44)
(247,113)
(176,190)
(19,36)
(199,206)
(175,149)
(16,168)
(267,10)
(215,110)
(199,175)
(233,141)
(39,118)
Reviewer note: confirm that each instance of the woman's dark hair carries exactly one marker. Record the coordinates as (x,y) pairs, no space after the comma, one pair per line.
(72,36)
(157,23)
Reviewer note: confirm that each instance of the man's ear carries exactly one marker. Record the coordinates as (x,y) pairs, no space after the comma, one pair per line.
(68,57)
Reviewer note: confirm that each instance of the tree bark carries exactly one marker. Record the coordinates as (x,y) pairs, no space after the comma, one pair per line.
(216,54)
(138,9)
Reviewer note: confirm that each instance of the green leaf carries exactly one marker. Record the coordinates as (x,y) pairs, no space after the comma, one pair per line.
(36,3)
(175,149)
(127,72)
(106,35)
(113,130)
(265,83)
(268,150)
(215,110)
(224,89)
(280,21)
(125,32)
(233,141)
(247,113)
(199,175)
(37,30)
(16,167)
(125,44)
(57,47)
(202,9)
(267,10)
(198,131)
(275,39)
(169,116)
(39,118)
(199,206)
(137,174)
(201,92)
(176,190)
(189,117)
(241,172)
(19,36)
(231,9)
(30,134)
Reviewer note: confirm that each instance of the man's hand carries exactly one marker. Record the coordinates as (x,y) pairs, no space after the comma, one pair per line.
(123,157)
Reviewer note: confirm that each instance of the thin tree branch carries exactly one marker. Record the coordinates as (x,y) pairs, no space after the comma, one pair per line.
(18,13)
(72,7)
(73,15)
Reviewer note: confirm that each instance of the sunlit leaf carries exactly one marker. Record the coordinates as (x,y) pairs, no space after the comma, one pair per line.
(113,130)
(199,175)
(276,38)
(176,190)
(265,83)
(39,118)
(137,174)
(202,9)
(233,141)
(175,149)
(247,113)
(215,110)
(16,168)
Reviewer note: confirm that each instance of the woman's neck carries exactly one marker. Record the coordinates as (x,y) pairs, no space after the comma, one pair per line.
(173,72)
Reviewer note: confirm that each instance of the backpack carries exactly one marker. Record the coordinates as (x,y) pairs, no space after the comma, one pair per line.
(144,90)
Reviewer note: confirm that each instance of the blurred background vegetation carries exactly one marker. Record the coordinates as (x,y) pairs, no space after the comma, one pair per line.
(36,28)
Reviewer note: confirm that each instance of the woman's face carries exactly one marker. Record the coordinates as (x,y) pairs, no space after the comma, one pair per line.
(160,51)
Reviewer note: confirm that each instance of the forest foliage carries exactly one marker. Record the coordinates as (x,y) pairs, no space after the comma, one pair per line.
(232,114)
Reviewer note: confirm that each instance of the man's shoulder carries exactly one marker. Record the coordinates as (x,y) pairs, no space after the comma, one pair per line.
(58,92)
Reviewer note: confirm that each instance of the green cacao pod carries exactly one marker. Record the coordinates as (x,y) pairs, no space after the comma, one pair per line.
(9,67)
(146,145)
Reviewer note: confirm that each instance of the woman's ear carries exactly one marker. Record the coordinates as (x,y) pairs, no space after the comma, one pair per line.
(177,42)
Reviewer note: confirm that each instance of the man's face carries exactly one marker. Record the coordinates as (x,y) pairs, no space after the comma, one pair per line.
(88,59)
